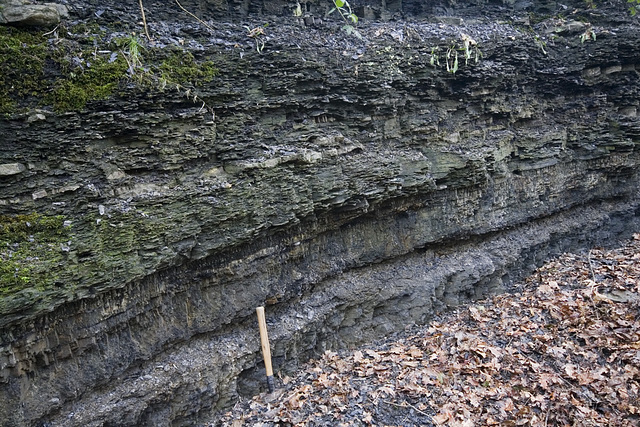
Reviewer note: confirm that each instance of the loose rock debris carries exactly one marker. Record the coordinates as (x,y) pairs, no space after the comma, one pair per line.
(563,349)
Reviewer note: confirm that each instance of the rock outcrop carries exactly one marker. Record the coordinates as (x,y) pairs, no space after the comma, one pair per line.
(352,185)
(21,12)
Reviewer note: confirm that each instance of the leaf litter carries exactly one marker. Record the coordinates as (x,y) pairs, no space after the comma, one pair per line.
(563,349)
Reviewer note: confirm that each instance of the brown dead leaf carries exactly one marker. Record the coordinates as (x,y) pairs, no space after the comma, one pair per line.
(373,354)
(415,352)
(441,418)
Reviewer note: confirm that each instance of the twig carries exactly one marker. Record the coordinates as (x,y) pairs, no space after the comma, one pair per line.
(405,404)
(194,16)
(144,20)
(593,275)
(52,31)
(126,59)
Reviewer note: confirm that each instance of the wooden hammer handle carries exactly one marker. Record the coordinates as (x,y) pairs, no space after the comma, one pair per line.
(266,349)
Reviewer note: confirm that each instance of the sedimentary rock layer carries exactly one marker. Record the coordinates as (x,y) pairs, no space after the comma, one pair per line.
(353,186)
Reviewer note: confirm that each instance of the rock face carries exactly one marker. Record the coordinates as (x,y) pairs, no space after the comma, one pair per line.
(353,186)
(19,12)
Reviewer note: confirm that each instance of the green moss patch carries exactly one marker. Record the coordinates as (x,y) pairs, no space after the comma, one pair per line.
(82,65)
(181,67)
(22,59)
(32,249)
(97,78)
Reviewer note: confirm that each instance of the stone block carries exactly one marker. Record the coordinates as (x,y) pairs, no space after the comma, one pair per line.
(33,15)
(7,169)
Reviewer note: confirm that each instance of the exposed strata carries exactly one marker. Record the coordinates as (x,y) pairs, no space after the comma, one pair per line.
(348,184)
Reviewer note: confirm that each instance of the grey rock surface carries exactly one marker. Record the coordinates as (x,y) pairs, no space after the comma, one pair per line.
(350,185)
(11,169)
(26,13)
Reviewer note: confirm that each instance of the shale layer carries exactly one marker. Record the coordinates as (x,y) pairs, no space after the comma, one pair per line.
(352,185)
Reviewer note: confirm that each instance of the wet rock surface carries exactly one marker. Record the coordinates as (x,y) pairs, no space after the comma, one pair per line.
(353,186)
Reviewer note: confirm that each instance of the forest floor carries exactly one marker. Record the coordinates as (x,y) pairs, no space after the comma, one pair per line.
(563,348)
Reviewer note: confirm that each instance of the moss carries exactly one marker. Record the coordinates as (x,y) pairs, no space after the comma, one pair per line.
(181,67)
(97,79)
(78,76)
(71,72)
(7,105)
(89,29)
(67,97)
(22,59)
(31,250)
